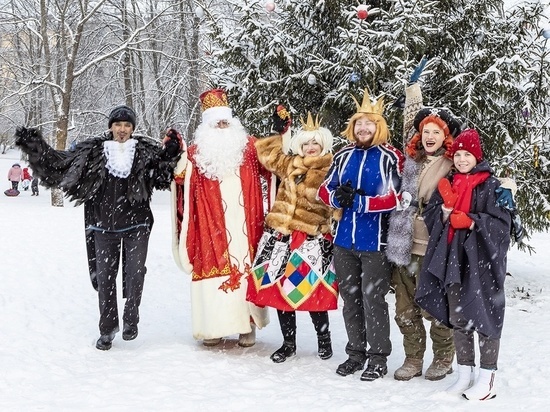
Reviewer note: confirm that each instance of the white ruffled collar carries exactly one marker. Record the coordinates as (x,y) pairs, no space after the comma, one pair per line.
(120,157)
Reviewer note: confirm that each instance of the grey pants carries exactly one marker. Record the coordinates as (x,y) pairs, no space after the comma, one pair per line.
(464,337)
(364,280)
(107,246)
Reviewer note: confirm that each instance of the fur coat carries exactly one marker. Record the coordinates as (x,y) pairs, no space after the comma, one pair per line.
(296,206)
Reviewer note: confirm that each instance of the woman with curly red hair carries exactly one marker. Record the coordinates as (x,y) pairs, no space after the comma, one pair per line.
(425,164)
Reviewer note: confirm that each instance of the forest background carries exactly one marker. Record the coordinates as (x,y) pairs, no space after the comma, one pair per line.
(65,63)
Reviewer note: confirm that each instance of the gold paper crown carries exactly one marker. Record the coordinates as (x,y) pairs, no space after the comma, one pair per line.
(310,125)
(367,107)
(213,98)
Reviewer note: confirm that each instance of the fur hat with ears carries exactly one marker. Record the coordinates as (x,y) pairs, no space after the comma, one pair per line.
(122,113)
(468,140)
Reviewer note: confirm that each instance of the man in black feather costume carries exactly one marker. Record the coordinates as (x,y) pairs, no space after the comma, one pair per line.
(113,176)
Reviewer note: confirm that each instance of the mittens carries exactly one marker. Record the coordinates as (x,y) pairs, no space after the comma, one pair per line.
(505,198)
(447,193)
(173,142)
(460,220)
(345,195)
(281,119)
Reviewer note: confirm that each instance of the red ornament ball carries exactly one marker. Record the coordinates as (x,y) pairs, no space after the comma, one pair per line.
(362,12)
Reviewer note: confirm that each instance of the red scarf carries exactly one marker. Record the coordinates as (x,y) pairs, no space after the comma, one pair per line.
(207,243)
(464,185)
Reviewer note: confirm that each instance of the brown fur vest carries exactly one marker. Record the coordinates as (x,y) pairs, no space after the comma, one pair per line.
(296,206)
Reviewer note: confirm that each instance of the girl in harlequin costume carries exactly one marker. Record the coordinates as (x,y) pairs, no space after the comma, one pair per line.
(461,282)
(293,268)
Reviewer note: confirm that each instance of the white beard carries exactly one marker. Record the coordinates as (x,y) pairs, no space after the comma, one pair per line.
(220,151)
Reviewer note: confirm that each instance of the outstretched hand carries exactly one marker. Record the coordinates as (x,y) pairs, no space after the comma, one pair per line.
(281,119)
(26,135)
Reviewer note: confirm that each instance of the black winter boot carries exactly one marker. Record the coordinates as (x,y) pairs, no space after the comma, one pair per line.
(325,345)
(286,351)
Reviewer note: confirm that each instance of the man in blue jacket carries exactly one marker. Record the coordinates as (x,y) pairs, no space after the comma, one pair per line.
(364,181)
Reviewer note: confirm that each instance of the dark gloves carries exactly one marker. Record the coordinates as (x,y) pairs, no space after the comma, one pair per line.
(26,135)
(281,119)
(505,198)
(345,194)
(173,142)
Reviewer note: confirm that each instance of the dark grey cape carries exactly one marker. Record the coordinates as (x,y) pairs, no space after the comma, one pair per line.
(476,259)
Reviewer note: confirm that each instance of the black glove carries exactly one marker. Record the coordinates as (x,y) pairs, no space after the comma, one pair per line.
(281,119)
(26,135)
(173,142)
(345,195)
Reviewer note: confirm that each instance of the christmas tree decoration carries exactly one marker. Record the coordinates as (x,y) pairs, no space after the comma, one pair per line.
(354,77)
(362,12)
(199,12)
(311,79)
(270,6)
(546,33)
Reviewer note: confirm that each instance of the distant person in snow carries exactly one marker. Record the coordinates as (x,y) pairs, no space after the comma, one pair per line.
(15,175)
(113,176)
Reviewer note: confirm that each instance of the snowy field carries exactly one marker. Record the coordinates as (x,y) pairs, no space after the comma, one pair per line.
(49,315)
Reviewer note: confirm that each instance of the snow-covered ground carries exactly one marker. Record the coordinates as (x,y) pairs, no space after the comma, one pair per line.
(48,329)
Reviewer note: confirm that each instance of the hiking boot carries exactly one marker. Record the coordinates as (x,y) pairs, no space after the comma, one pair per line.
(349,367)
(410,369)
(211,342)
(324,346)
(374,372)
(105,342)
(439,368)
(284,352)
(129,332)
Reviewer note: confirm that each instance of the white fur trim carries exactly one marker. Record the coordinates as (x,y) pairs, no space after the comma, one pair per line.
(215,114)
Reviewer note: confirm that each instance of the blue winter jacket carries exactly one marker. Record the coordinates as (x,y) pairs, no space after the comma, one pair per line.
(375,174)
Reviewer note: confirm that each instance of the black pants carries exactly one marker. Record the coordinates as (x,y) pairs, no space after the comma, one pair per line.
(287,321)
(108,246)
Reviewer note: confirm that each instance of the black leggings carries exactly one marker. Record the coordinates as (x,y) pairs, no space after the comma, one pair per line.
(287,321)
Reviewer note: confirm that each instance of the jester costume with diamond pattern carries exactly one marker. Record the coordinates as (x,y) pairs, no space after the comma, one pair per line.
(293,269)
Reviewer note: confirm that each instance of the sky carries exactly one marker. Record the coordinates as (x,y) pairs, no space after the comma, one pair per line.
(49,314)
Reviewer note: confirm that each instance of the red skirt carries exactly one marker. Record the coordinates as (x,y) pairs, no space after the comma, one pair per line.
(302,279)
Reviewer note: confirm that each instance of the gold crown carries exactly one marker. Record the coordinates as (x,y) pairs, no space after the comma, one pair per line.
(367,107)
(310,125)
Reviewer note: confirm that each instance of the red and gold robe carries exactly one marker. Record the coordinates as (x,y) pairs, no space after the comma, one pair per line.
(217,226)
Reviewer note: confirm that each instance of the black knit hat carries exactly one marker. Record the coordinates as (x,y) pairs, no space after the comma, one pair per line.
(122,114)
(452,122)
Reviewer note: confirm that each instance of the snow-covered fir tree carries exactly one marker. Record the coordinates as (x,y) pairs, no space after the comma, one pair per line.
(487,63)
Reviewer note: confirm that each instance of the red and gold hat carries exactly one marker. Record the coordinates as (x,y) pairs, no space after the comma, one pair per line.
(215,106)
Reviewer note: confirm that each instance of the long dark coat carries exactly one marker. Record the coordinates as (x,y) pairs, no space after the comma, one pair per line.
(475,259)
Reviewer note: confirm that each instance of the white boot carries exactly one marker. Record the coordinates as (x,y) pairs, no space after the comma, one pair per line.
(464,380)
(484,388)
(248,339)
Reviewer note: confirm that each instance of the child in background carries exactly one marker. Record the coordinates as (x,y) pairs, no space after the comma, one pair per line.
(461,282)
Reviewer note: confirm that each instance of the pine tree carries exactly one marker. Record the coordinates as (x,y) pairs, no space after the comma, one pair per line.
(487,64)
